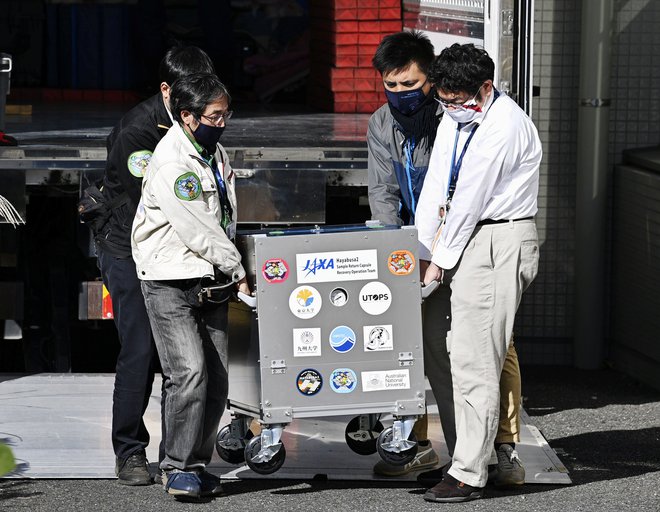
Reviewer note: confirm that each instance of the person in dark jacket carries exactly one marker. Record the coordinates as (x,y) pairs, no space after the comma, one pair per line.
(130,146)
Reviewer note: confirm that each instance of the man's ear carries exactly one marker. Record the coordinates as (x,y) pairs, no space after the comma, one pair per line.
(165,90)
(187,117)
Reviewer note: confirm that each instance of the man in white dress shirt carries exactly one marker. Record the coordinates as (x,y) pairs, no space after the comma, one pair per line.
(477,234)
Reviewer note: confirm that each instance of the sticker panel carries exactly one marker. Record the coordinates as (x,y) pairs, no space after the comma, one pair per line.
(385,380)
(309,382)
(324,267)
(343,380)
(375,298)
(305,302)
(378,338)
(307,342)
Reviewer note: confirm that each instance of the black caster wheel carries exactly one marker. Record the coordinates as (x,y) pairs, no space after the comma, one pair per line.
(253,447)
(362,442)
(396,459)
(236,454)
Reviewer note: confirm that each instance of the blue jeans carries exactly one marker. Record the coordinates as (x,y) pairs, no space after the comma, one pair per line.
(191,339)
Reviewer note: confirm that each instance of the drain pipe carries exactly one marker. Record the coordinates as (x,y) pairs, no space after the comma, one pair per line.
(592,178)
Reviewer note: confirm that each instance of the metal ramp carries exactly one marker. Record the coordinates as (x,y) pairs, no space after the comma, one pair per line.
(58,426)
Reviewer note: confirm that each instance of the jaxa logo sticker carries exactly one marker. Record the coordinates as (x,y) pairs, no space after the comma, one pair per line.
(338,297)
(305,302)
(343,380)
(187,186)
(377,338)
(401,263)
(275,270)
(342,339)
(375,298)
(306,342)
(326,267)
(138,161)
(309,382)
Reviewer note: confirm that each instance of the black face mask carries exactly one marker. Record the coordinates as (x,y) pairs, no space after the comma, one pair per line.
(208,136)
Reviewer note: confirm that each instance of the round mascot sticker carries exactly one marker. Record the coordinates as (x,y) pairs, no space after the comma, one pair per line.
(309,382)
(343,380)
(275,270)
(401,263)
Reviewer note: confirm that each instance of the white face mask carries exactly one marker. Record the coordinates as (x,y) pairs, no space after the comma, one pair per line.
(465,113)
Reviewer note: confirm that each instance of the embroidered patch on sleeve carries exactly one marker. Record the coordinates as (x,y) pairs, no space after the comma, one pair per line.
(187,186)
(138,161)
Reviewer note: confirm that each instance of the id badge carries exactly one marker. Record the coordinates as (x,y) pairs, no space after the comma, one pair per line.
(442,217)
(231,230)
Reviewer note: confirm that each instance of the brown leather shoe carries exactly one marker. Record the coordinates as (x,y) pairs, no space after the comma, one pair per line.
(451,490)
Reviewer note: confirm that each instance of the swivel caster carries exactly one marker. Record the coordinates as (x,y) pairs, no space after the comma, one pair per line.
(265,461)
(397,453)
(231,449)
(361,434)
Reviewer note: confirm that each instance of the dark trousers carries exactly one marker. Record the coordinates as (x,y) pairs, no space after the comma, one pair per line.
(137,355)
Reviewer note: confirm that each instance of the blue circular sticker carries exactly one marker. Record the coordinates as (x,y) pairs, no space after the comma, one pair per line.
(342,339)
(343,380)
(309,382)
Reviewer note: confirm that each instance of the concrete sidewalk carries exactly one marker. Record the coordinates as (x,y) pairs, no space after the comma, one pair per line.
(605,427)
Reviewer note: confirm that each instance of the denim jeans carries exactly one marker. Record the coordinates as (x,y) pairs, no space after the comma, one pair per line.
(191,339)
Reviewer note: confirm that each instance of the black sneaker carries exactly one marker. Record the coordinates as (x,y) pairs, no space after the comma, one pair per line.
(133,470)
(434,477)
(509,471)
(451,490)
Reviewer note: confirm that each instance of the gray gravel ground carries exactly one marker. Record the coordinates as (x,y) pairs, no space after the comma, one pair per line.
(605,427)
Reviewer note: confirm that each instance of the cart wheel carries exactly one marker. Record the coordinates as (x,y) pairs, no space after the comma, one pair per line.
(232,455)
(362,442)
(253,447)
(396,459)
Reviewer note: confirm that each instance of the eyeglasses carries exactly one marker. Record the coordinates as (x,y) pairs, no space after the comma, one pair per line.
(216,118)
(459,104)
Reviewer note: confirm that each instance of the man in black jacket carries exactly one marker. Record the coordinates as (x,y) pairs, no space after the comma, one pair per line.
(130,145)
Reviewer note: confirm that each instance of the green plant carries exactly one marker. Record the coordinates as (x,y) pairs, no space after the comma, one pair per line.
(7,462)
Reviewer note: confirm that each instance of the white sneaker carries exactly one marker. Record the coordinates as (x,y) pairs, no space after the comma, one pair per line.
(426,458)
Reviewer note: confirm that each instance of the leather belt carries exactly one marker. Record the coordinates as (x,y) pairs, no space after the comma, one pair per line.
(486,222)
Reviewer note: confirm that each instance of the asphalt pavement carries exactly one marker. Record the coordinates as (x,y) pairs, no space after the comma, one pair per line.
(604,426)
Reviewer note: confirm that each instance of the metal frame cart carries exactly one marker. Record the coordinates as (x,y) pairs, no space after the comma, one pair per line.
(338,332)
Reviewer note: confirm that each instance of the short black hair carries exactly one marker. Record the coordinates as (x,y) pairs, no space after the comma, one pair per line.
(462,67)
(194,92)
(180,61)
(397,52)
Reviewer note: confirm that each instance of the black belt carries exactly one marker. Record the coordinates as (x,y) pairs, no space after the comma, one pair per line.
(486,222)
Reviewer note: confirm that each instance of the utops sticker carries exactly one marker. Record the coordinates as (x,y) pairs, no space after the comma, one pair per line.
(305,302)
(342,339)
(401,263)
(338,297)
(375,298)
(309,382)
(187,186)
(343,380)
(385,380)
(378,338)
(275,270)
(307,342)
(138,161)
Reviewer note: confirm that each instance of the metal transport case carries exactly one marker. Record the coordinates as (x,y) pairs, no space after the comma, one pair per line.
(338,332)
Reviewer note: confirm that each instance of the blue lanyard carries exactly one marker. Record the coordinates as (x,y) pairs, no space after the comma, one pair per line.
(222,188)
(408,149)
(456,165)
